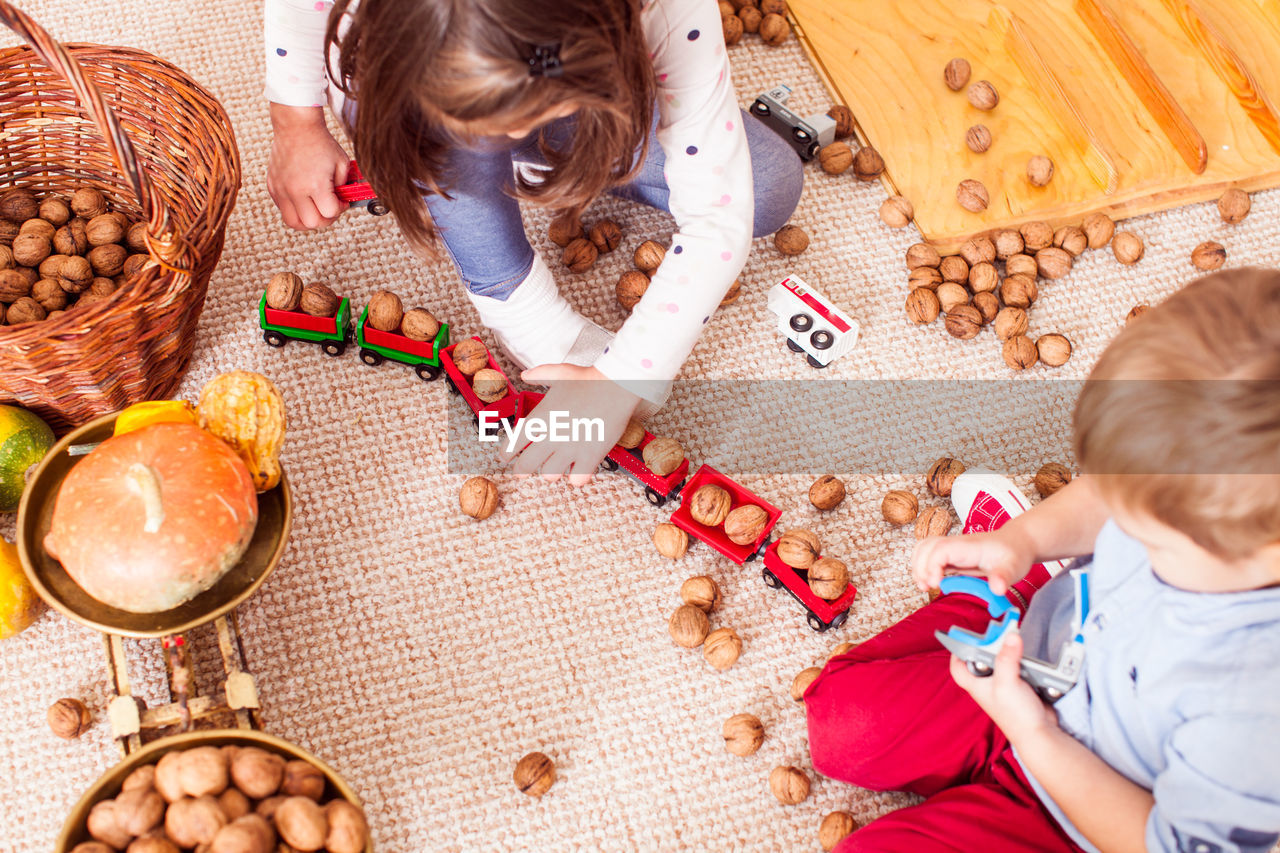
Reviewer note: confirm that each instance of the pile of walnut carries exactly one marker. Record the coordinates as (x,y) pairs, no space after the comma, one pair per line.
(661,455)
(57,253)
(385,312)
(582,246)
(226,799)
(647,257)
(767,18)
(800,549)
(471,357)
(689,626)
(286,292)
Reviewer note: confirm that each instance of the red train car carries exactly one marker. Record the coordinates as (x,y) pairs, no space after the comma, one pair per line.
(822,614)
(715,536)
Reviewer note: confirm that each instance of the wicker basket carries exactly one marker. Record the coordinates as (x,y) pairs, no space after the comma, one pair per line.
(160,148)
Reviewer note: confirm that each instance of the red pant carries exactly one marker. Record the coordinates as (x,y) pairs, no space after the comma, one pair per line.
(887,716)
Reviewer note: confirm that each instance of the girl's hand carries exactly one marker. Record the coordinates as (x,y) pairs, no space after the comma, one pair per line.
(577,392)
(1010,702)
(1003,557)
(306,164)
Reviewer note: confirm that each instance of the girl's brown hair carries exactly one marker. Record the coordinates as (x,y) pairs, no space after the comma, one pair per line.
(1180,418)
(429,75)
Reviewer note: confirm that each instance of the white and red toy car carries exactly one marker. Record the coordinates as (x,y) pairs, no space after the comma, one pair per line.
(810,322)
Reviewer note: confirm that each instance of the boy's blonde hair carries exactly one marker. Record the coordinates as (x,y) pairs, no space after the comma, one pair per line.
(1180,418)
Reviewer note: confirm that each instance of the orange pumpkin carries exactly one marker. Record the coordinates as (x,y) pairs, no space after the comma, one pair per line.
(153,517)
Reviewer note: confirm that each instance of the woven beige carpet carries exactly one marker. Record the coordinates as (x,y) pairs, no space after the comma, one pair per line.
(422,653)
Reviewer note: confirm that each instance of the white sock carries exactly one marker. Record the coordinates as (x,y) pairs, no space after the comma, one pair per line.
(535,325)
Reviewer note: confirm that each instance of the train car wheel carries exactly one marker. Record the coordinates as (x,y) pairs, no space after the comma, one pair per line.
(427,372)
(377,208)
(801,322)
(814,363)
(817,624)
(654,498)
(979,669)
(370,357)
(609,464)
(799,134)
(761,109)
(822,339)
(771,580)
(839,620)
(793,346)
(813,150)
(334,348)
(274,339)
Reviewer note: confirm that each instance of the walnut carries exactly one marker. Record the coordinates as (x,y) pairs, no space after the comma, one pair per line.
(774,30)
(1071,239)
(489,384)
(580,255)
(842,115)
(103,229)
(139,811)
(256,772)
(1008,243)
(30,249)
(951,295)
(6,258)
(688,626)
(978,250)
(69,718)
(773,7)
(1051,477)
(166,778)
(988,305)
(926,277)
(302,779)
(956,74)
(32,276)
(534,774)
(190,822)
(142,777)
(25,310)
(1009,322)
(963,322)
(38,226)
(632,435)
(972,195)
(923,306)
(1019,291)
(1036,236)
(722,648)
(828,578)
(234,803)
(284,291)
(801,682)
(897,212)
(13,286)
(301,823)
(348,828)
(469,356)
(701,592)
(789,784)
(648,256)
(1209,256)
(8,230)
(88,203)
(1020,352)
(71,238)
(1040,170)
(136,237)
(827,492)
(983,278)
(202,771)
(1021,264)
(745,524)
(1054,349)
(663,456)
(19,205)
(51,267)
(246,834)
(1135,312)
(834,828)
(731,295)
(1234,206)
(419,324)
(385,311)
(605,235)
(978,138)
(710,505)
(1127,247)
(798,548)
(922,255)
(1053,263)
(942,476)
(899,507)
(478,498)
(319,300)
(108,260)
(983,96)
(743,734)
(726,8)
(954,268)
(751,18)
(564,229)
(104,826)
(135,264)
(1098,229)
(867,164)
(732,29)
(630,288)
(835,158)
(933,521)
(671,541)
(791,240)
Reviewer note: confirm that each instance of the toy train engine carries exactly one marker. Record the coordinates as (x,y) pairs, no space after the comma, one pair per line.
(805,135)
(811,323)
(357,192)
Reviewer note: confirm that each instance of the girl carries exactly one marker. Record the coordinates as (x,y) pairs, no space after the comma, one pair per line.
(443,96)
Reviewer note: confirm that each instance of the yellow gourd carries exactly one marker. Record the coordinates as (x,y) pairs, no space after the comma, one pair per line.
(245,410)
(154,412)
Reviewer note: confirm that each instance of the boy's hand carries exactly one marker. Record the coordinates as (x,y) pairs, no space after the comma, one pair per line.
(1003,557)
(580,392)
(1009,701)
(306,164)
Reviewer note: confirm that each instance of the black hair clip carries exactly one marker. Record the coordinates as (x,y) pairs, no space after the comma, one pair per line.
(545,61)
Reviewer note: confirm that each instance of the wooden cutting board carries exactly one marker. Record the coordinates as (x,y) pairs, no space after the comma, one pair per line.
(1141,104)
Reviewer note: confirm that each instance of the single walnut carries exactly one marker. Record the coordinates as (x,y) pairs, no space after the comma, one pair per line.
(798,548)
(38,226)
(1036,236)
(1135,312)
(1209,256)
(1098,229)
(978,138)
(302,779)
(1051,477)
(751,18)
(1022,264)
(867,164)
(828,578)
(897,212)
(950,295)
(1234,206)
(6,258)
(534,775)
(745,524)
(19,205)
(1019,291)
(988,305)
(701,592)
(722,648)
(942,476)
(1071,239)
(580,255)
(419,324)
(954,269)
(1019,352)
(956,74)
(688,626)
(203,771)
(478,498)
(301,823)
(791,240)
(1053,263)
(136,238)
(922,255)
(1127,247)
(1040,170)
(972,195)
(743,734)
(13,286)
(103,229)
(55,210)
(71,238)
(835,827)
(489,384)
(88,203)
(235,804)
(564,229)
(774,30)
(319,300)
(731,295)
(1054,349)
(983,278)
(648,256)
(1008,243)
(190,822)
(983,96)
(141,777)
(671,541)
(632,435)
(139,811)
(663,456)
(108,260)
(1010,322)
(30,249)
(8,230)
(710,505)
(899,507)
(773,7)
(135,264)
(256,772)
(166,778)
(923,306)
(25,310)
(470,356)
(835,158)
(284,291)
(732,29)
(605,235)
(104,826)
(927,277)
(385,311)
(933,521)
(827,492)
(801,682)
(978,250)
(789,784)
(631,286)
(842,115)
(69,718)
(348,828)
(963,322)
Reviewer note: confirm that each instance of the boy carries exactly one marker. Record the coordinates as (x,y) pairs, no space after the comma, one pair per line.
(1170,740)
